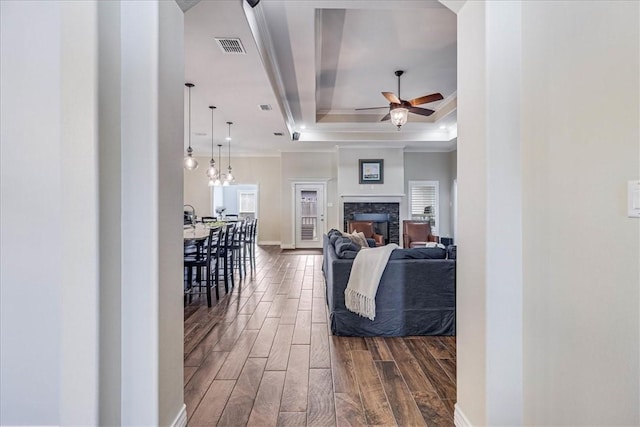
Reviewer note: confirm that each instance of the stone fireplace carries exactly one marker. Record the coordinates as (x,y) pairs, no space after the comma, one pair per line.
(384,213)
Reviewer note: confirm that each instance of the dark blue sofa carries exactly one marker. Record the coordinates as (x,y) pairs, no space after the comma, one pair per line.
(416,296)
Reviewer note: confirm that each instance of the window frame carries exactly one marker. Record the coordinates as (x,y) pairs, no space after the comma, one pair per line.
(421,183)
(255,202)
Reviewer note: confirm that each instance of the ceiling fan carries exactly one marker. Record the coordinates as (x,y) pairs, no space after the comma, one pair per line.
(399,108)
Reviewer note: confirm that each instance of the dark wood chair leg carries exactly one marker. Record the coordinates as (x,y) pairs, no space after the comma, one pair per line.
(208,272)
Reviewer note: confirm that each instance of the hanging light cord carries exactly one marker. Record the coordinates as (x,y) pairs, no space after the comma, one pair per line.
(212,108)
(189,120)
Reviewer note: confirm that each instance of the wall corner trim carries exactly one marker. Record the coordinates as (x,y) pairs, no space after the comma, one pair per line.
(181,418)
(460,419)
(269,243)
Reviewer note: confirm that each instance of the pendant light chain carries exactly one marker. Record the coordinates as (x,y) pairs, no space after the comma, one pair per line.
(229,177)
(212,172)
(189,162)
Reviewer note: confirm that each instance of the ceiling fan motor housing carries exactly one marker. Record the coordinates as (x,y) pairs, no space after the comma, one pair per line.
(403,104)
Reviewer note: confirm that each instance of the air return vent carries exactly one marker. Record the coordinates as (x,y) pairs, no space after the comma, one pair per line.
(230,45)
(265,107)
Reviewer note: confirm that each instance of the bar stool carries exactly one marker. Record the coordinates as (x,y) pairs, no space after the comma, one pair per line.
(208,262)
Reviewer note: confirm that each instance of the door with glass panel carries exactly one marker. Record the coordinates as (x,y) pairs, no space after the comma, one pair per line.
(309,214)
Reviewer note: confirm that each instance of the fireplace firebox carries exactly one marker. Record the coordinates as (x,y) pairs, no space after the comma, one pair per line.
(385,216)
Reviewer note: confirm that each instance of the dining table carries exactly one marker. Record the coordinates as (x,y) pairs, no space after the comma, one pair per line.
(195,233)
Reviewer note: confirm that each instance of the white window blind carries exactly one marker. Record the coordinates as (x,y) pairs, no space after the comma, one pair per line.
(423,201)
(247,202)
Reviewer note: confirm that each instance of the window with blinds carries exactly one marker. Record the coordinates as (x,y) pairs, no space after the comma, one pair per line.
(423,202)
(247,202)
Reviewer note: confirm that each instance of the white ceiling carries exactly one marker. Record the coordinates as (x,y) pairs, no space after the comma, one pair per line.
(314,62)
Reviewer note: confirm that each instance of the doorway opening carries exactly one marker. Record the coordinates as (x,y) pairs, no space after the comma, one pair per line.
(309,214)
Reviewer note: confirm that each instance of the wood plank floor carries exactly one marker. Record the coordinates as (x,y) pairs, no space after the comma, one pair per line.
(263,355)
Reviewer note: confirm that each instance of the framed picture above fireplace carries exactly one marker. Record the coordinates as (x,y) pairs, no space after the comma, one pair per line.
(371,171)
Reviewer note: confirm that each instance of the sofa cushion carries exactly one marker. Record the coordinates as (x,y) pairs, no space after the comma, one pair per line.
(358,238)
(346,248)
(333,238)
(419,253)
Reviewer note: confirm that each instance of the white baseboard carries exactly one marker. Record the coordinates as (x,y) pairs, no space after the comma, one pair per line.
(287,246)
(181,418)
(269,243)
(459,418)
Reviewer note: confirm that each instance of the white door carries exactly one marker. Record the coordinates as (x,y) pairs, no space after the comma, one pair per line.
(309,214)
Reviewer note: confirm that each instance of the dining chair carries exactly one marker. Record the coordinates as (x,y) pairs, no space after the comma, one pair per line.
(238,248)
(225,255)
(206,263)
(249,242)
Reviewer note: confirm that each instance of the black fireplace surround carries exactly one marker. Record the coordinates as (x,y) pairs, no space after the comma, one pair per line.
(385,216)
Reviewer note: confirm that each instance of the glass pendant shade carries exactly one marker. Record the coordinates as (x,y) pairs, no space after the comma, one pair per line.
(399,116)
(212,172)
(211,182)
(190,163)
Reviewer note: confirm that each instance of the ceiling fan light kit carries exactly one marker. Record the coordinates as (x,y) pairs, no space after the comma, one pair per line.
(189,162)
(399,115)
(399,109)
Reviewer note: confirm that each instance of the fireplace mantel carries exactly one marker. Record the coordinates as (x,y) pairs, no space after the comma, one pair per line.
(372,198)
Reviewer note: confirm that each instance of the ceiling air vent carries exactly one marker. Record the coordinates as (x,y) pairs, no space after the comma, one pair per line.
(278,133)
(265,107)
(230,45)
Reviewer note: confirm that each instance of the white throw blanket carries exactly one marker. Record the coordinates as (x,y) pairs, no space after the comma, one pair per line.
(366,272)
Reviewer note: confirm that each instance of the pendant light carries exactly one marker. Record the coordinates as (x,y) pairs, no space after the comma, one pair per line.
(212,172)
(217,182)
(190,163)
(229,178)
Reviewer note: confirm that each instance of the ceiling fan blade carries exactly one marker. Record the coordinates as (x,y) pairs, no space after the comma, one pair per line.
(385,118)
(391,97)
(426,99)
(371,108)
(421,111)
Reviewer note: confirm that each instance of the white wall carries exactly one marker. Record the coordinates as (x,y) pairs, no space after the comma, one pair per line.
(48,345)
(152,120)
(30,38)
(471,234)
(110,221)
(582,276)
(432,167)
(578,285)
(59,97)
(196,190)
(170,187)
(348,178)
